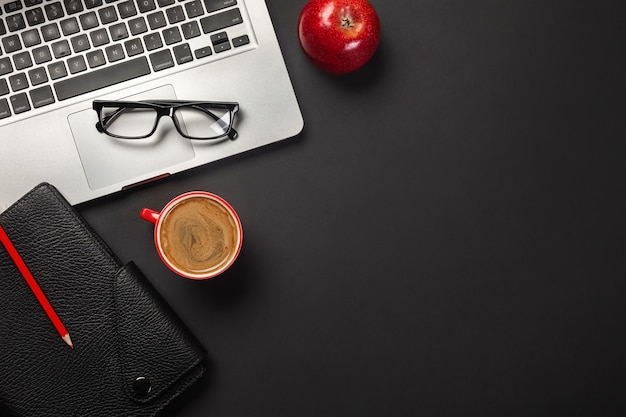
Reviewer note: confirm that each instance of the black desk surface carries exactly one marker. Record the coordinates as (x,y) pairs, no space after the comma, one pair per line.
(445,238)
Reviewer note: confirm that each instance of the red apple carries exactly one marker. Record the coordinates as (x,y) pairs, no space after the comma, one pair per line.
(339,36)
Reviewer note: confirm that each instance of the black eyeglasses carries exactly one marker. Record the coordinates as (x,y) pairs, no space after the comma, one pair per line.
(202,120)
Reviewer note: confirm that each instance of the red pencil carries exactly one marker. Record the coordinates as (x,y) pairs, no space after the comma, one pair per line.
(30,280)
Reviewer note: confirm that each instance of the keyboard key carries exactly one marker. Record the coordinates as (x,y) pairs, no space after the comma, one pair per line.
(104,77)
(146,5)
(190,29)
(240,41)
(213,5)
(3,29)
(221,20)
(31,38)
(54,11)
(219,38)
(15,22)
(88,20)
(57,70)
(4,87)
(182,53)
(114,52)
(156,20)
(34,16)
(69,26)
(13,6)
(203,52)
(175,14)
(99,37)
(37,76)
(5,66)
(4,108)
(22,60)
(194,9)
(153,41)
(127,9)
(221,47)
(11,43)
(42,96)
(80,43)
(73,6)
(30,3)
(20,103)
(76,64)
(133,47)
(137,26)
(118,32)
(161,60)
(95,58)
(91,4)
(172,35)
(18,81)
(61,49)
(107,15)
(50,32)
(42,54)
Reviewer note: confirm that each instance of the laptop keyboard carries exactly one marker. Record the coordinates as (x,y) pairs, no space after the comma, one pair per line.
(54,50)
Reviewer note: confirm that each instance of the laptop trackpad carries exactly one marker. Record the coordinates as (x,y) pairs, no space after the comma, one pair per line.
(108,161)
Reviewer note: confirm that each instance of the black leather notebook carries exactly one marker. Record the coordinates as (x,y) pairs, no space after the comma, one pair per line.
(132,354)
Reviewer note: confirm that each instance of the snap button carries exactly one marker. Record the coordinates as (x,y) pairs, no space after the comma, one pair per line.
(142,386)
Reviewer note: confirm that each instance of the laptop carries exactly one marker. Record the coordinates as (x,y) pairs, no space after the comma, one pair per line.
(58,56)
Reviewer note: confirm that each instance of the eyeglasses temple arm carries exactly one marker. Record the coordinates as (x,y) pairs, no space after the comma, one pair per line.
(108,120)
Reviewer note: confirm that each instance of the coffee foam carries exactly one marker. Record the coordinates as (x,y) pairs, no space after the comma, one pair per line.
(199,235)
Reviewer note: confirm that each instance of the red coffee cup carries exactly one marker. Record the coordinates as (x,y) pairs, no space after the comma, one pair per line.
(198,235)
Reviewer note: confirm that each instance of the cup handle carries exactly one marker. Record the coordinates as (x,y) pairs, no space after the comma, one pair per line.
(149,215)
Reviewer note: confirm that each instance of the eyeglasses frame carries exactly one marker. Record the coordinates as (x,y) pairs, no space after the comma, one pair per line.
(165,108)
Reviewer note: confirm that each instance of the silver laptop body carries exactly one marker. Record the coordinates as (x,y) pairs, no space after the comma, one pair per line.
(224,50)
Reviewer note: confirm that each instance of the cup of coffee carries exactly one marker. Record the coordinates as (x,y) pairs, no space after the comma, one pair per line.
(198,235)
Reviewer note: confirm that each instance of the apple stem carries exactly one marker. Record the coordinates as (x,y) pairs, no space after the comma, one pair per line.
(346,22)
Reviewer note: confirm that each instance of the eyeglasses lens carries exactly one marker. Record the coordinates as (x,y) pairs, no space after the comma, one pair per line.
(128,122)
(203,122)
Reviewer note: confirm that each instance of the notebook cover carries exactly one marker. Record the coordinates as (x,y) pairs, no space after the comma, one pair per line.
(132,354)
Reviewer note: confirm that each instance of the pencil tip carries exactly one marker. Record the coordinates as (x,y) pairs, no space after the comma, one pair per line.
(67,340)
